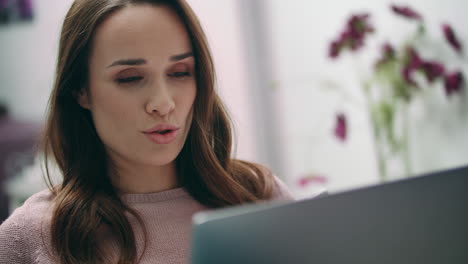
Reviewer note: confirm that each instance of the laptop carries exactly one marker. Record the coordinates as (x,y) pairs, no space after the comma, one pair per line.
(421,219)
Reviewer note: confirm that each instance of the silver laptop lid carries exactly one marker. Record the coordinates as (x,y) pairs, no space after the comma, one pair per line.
(418,220)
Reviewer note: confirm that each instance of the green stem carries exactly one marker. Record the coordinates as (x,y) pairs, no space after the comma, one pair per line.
(377,137)
(381,158)
(406,146)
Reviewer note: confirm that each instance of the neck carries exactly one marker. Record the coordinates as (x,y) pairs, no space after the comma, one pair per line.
(144,179)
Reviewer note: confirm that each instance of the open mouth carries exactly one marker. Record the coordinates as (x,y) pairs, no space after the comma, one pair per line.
(163,132)
(164,136)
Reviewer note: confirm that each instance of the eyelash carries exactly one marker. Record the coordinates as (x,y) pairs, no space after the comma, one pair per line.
(129,79)
(178,75)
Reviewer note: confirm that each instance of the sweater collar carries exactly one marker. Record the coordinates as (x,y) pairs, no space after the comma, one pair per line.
(154,197)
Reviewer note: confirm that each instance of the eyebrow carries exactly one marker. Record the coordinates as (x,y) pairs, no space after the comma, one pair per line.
(143,61)
(128,62)
(181,56)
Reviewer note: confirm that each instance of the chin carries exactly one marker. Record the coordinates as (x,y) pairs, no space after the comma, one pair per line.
(161,159)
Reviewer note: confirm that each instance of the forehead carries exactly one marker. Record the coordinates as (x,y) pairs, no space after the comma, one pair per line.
(143,30)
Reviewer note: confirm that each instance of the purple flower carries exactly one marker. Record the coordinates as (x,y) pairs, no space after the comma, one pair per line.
(413,63)
(414,60)
(352,37)
(451,38)
(358,25)
(357,28)
(340,127)
(454,82)
(406,74)
(334,49)
(388,53)
(388,50)
(406,12)
(312,179)
(432,70)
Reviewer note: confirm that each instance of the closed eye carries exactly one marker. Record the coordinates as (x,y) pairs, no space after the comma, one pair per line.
(179,74)
(129,79)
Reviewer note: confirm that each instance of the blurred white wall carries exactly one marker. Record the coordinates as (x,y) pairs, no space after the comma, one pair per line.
(301,31)
(221,22)
(27,59)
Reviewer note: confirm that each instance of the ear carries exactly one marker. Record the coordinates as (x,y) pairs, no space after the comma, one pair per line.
(82,98)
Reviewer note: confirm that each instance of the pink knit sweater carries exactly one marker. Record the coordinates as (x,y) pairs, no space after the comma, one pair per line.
(25,235)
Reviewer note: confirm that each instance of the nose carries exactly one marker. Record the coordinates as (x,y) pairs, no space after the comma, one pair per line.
(160,100)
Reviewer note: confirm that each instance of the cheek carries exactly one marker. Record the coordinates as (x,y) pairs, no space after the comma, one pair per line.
(186,100)
(112,109)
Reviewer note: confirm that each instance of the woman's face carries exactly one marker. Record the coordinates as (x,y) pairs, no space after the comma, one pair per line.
(141,75)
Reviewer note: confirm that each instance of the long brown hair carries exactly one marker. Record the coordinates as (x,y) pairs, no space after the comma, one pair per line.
(86,199)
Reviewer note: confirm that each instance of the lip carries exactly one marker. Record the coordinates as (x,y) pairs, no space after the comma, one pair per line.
(161,127)
(162,138)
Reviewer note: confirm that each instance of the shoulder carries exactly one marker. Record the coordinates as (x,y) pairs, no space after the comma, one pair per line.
(280,189)
(22,229)
(32,211)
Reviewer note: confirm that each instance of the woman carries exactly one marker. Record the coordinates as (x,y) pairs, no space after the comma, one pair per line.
(141,138)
